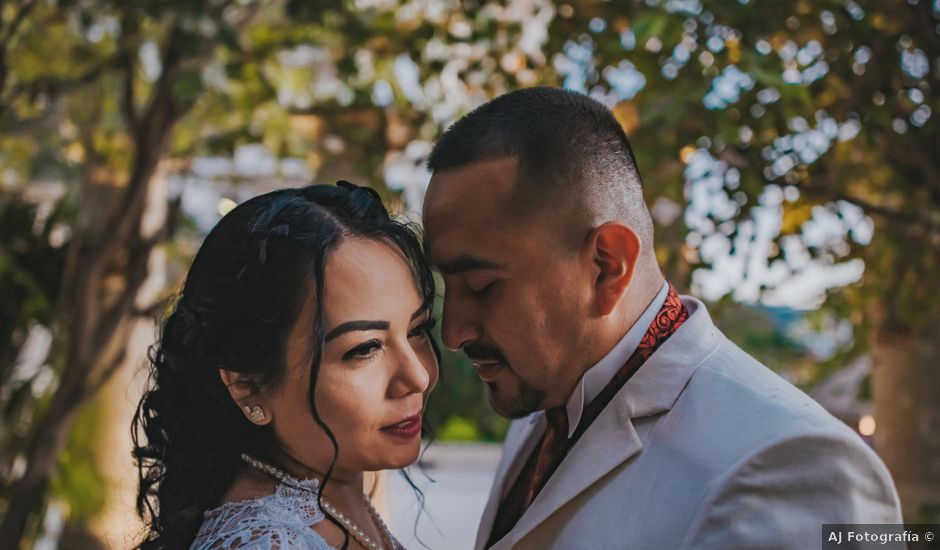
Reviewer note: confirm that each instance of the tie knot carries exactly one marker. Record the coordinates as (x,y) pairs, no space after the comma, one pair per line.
(557,420)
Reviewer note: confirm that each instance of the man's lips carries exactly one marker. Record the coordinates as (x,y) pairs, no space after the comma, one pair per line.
(406,428)
(488,370)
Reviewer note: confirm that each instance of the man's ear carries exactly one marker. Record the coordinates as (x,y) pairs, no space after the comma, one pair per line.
(246,392)
(614,249)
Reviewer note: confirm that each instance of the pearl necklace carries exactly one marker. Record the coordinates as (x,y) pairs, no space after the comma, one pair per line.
(357,533)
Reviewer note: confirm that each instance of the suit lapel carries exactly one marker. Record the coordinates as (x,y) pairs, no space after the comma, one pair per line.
(609,442)
(522,438)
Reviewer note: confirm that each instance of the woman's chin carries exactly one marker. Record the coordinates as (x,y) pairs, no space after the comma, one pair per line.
(396,459)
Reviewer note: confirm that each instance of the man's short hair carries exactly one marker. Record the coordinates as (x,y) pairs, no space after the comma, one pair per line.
(574,158)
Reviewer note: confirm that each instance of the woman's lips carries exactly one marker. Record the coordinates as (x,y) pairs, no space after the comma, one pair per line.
(407,428)
(488,371)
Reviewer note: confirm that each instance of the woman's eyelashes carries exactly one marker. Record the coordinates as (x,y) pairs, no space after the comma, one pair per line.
(364,351)
(423,329)
(372,348)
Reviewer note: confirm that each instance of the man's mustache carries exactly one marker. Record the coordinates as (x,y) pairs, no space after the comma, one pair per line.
(479,353)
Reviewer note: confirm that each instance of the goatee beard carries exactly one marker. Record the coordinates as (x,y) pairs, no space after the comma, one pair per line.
(525,403)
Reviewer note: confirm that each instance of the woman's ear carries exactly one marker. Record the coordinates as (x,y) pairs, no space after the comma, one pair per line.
(246,393)
(614,249)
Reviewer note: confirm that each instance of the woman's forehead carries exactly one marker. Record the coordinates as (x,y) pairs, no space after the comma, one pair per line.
(368,277)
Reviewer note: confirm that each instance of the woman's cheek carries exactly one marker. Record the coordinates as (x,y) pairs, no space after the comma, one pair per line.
(429,360)
(346,395)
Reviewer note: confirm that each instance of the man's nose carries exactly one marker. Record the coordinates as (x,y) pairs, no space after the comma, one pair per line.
(458,322)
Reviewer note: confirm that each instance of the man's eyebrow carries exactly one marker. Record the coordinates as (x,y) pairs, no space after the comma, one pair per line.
(466,263)
(351,326)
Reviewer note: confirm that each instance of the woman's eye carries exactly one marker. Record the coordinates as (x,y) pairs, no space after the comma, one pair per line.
(424,329)
(365,350)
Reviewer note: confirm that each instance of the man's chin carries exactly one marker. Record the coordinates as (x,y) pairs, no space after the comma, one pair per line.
(516,404)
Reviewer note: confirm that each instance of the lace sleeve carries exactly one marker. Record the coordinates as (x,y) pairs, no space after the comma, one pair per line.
(260,524)
(275,537)
(255,534)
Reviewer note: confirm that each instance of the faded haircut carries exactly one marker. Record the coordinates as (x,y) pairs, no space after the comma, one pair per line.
(576,165)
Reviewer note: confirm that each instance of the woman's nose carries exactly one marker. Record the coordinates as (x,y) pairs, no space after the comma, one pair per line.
(412,374)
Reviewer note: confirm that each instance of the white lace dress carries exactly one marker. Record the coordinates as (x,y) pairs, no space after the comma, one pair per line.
(281,520)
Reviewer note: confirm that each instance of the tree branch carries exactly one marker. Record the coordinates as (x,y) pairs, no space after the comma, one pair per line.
(925,23)
(102,374)
(135,273)
(149,138)
(54,85)
(130,112)
(822,188)
(916,225)
(17,20)
(912,152)
(7,35)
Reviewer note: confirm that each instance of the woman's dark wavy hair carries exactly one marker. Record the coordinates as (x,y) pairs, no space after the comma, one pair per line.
(241,298)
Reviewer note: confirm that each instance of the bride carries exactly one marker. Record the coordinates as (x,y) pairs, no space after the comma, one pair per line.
(297,358)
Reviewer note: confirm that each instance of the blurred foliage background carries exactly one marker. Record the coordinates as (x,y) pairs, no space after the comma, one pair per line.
(788,149)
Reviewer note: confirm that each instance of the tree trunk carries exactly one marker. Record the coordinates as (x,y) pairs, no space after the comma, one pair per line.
(118,526)
(27,491)
(98,322)
(906,387)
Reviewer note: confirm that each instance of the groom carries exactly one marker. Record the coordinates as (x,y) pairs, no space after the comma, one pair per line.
(637,423)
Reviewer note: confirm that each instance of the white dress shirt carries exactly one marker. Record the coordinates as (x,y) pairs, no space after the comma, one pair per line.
(598,376)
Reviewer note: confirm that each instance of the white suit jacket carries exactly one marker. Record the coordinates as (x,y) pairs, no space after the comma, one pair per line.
(703,447)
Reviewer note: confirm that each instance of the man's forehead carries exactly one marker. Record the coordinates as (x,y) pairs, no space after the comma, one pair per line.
(487,178)
(476,193)
(464,236)
(467,214)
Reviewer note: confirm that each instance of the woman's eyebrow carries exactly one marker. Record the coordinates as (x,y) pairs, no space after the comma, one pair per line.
(350,326)
(420,311)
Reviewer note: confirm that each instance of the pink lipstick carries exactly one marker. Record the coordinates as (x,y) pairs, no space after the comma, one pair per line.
(406,429)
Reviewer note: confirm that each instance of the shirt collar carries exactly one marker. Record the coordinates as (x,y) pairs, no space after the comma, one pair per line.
(598,376)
